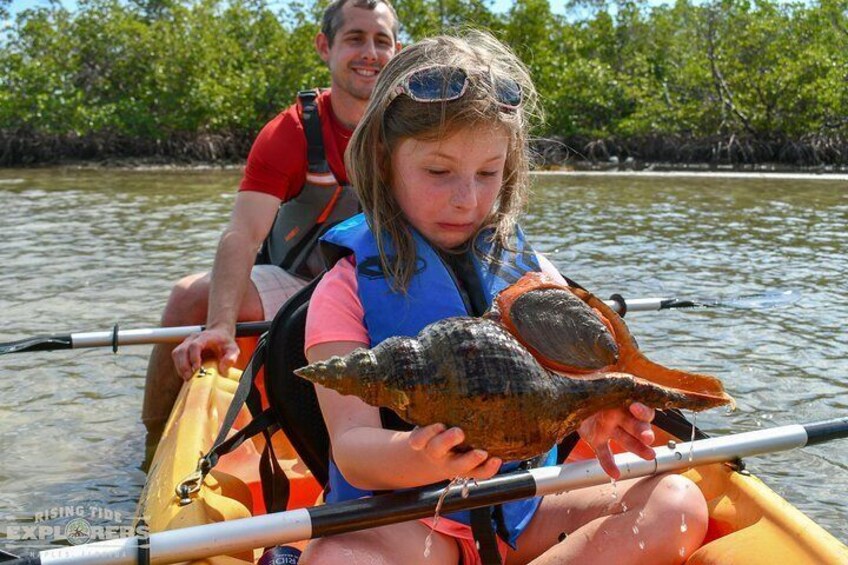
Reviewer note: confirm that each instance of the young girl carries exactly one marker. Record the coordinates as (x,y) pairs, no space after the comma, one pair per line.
(440,163)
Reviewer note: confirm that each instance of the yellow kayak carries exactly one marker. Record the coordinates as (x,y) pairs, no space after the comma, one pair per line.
(749,523)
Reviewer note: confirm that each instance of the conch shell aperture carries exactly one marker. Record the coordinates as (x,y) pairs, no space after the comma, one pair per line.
(522,377)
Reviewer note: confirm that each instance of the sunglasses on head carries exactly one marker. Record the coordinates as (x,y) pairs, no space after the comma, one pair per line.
(443,84)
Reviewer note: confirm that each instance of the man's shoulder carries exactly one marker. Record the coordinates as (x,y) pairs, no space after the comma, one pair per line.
(285,123)
(289,121)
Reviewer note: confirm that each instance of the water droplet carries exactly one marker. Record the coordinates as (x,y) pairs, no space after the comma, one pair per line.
(641,516)
(465,489)
(635,530)
(624,507)
(642,544)
(428,541)
(682,552)
(683,526)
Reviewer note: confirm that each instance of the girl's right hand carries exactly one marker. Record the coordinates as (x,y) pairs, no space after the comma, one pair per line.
(436,443)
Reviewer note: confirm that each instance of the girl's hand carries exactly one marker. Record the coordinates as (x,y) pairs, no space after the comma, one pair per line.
(436,444)
(630,427)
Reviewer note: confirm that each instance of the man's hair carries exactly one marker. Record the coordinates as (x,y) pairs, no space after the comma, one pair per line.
(333,18)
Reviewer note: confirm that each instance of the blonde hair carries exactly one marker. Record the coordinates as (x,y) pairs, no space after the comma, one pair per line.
(389,121)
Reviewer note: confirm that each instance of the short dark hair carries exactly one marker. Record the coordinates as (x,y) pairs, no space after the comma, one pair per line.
(333,19)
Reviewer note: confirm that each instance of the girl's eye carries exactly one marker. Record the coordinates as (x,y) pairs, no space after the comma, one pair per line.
(437,172)
(487,173)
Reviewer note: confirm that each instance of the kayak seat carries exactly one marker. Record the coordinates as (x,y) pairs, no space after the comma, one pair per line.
(293,399)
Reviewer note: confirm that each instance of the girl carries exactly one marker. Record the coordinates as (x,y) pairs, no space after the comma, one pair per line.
(440,163)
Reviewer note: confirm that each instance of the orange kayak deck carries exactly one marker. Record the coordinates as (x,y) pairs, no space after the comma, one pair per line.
(749,523)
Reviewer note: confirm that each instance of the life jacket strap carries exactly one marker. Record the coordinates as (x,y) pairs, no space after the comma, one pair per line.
(315,154)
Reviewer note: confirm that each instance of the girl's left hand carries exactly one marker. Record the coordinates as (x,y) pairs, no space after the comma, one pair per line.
(630,427)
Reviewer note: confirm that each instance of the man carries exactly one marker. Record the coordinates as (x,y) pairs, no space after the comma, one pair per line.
(356,40)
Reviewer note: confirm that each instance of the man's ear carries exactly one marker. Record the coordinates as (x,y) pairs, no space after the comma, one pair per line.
(322,46)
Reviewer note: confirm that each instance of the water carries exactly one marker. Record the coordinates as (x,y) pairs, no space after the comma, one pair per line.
(82,250)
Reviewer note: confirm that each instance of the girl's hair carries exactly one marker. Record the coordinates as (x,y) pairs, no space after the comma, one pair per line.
(388,121)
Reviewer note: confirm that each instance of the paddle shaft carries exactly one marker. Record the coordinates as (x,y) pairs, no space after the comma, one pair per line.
(117,337)
(199,542)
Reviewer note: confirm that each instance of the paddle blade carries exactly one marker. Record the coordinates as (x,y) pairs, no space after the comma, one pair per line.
(37,343)
(771,299)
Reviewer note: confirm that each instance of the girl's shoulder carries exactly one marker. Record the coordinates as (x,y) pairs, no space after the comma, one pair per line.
(335,311)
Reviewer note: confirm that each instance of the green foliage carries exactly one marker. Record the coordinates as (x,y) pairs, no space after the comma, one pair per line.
(152,69)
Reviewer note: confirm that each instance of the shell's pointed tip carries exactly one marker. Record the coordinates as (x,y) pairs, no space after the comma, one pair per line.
(305,372)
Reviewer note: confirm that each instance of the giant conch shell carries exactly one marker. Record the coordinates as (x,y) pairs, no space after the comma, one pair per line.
(520,378)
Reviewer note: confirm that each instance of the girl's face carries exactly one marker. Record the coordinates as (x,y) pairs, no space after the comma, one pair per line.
(447,188)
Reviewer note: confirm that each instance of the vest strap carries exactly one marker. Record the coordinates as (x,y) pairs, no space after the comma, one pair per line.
(484,535)
(312,129)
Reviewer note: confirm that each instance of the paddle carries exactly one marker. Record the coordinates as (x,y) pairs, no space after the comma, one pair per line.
(199,542)
(117,337)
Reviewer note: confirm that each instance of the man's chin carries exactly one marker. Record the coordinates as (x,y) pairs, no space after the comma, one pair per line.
(361,91)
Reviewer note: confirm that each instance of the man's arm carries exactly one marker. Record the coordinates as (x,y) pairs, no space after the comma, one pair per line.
(251,220)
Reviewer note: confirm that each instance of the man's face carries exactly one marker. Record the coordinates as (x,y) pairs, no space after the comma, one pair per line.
(361,48)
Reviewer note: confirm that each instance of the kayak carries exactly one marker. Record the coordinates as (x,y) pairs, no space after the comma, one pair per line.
(749,523)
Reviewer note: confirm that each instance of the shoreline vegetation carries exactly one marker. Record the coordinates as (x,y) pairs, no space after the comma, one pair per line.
(654,153)
(626,85)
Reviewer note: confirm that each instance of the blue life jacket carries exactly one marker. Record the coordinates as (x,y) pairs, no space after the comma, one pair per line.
(433,294)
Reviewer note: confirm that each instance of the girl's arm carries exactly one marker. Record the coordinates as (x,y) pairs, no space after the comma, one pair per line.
(372,458)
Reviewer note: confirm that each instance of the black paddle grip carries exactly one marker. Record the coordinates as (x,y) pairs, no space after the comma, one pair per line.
(827,430)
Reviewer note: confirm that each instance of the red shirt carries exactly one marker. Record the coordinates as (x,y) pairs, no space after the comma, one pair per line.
(277,161)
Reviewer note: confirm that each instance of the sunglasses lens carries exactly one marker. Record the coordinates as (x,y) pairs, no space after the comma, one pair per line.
(436,84)
(508,92)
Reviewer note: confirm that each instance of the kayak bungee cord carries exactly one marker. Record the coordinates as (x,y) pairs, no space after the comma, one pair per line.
(222,538)
(116,337)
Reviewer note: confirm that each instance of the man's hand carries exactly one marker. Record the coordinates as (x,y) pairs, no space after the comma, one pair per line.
(219,344)
(630,427)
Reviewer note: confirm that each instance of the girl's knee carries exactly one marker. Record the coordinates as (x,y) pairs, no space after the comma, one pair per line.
(681,508)
(325,550)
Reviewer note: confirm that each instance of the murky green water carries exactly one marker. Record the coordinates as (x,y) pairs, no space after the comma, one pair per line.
(82,250)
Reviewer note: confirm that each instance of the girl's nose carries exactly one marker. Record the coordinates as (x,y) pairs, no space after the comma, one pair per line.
(465,193)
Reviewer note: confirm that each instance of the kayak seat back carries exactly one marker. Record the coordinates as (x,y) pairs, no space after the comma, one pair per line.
(293,399)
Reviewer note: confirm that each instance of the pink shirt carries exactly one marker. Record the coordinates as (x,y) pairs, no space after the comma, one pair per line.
(336,314)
